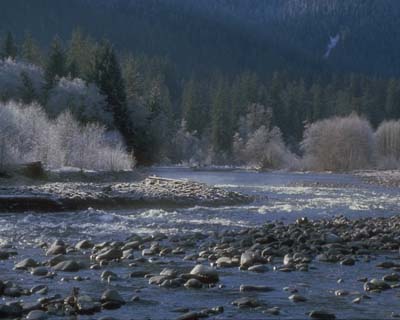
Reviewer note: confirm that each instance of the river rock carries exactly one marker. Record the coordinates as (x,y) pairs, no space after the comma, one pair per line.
(193,284)
(58,247)
(110,254)
(297,298)
(84,245)
(247,259)
(39,271)
(321,315)
(111,299)
(246,302)
(26,264)
(4,255)
(376,284)
(67,266)
(205,274)
(10,310)
(37,315)
(259,268)
(250,288)
(86,305)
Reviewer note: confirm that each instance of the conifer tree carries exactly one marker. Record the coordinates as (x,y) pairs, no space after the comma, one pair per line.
(106,74)
(30,51)
(55,66)
(9,47)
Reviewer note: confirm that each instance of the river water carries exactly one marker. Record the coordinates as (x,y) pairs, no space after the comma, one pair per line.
(279,196)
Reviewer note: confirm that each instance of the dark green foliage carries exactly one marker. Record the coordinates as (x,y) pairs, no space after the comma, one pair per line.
(55,67)
(9,49)
(106,74)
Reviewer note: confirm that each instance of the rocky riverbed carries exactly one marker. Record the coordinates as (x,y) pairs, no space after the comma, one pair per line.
(152,191)
(63,275)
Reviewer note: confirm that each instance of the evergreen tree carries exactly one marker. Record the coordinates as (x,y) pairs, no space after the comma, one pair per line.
(56,65)
(80,54)
(221,121)
(106,74)
(27,89)
(30,51)
(9,47)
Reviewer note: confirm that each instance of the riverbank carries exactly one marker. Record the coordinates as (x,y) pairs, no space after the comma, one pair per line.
(150,192)
(385,178)
(238,266)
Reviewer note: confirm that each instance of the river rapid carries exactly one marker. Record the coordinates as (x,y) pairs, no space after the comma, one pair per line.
(278,197)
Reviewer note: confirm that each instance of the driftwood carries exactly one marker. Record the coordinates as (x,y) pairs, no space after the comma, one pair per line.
(32,170)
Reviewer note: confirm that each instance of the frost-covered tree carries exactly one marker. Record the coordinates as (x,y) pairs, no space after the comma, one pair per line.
(187,147)
(257,143)
(339,144)
(27,134)
(388,144)
(16,78)
(83,100)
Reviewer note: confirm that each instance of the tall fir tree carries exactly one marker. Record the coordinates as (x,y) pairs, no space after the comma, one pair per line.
(106,74)
(56,64)
(221,121)
(9,49)
(30,51)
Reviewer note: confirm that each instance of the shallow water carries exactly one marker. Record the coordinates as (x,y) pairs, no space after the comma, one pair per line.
(279,196)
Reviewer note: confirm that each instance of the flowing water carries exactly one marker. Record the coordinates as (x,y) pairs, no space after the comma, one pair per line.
(279,196)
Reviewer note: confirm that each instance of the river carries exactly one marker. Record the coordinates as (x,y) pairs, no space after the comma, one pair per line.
(279,196)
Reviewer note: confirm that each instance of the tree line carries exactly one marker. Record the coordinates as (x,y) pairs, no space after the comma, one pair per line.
(164,116)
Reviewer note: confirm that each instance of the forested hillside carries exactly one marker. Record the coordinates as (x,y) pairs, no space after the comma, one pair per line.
(198,80)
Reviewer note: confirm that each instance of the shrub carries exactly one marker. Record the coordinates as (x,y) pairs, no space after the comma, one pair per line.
(27,134)
(339,144)
(388,144)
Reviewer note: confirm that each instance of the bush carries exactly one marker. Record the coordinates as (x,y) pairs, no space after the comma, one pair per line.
(83,100)
(387,139)
(18,79)
(27,134)
(339,144)
(259,144)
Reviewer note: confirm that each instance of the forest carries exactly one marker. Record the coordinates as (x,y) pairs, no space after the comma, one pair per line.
(249,102)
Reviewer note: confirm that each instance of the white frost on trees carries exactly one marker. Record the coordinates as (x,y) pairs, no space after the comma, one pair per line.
(259,144)
(388,144)
(12,82)
(339,144)
(83,100)
(27,134)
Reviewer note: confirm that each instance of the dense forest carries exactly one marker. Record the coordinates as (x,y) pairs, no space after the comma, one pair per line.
(201,81)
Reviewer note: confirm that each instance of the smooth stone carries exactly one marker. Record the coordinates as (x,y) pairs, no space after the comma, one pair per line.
(67,266)
(56,249)
(247,259)
(322,315)
(348,262)
(246,302)
(205,274)
(259,268)
(376,284)
(37,315)
(110,254)
(26,264)
(10,310)
(86,305)
(341,293)
(111,295)
(297,298)
(39,271)
(193,284)
(84,245)
(249,288)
